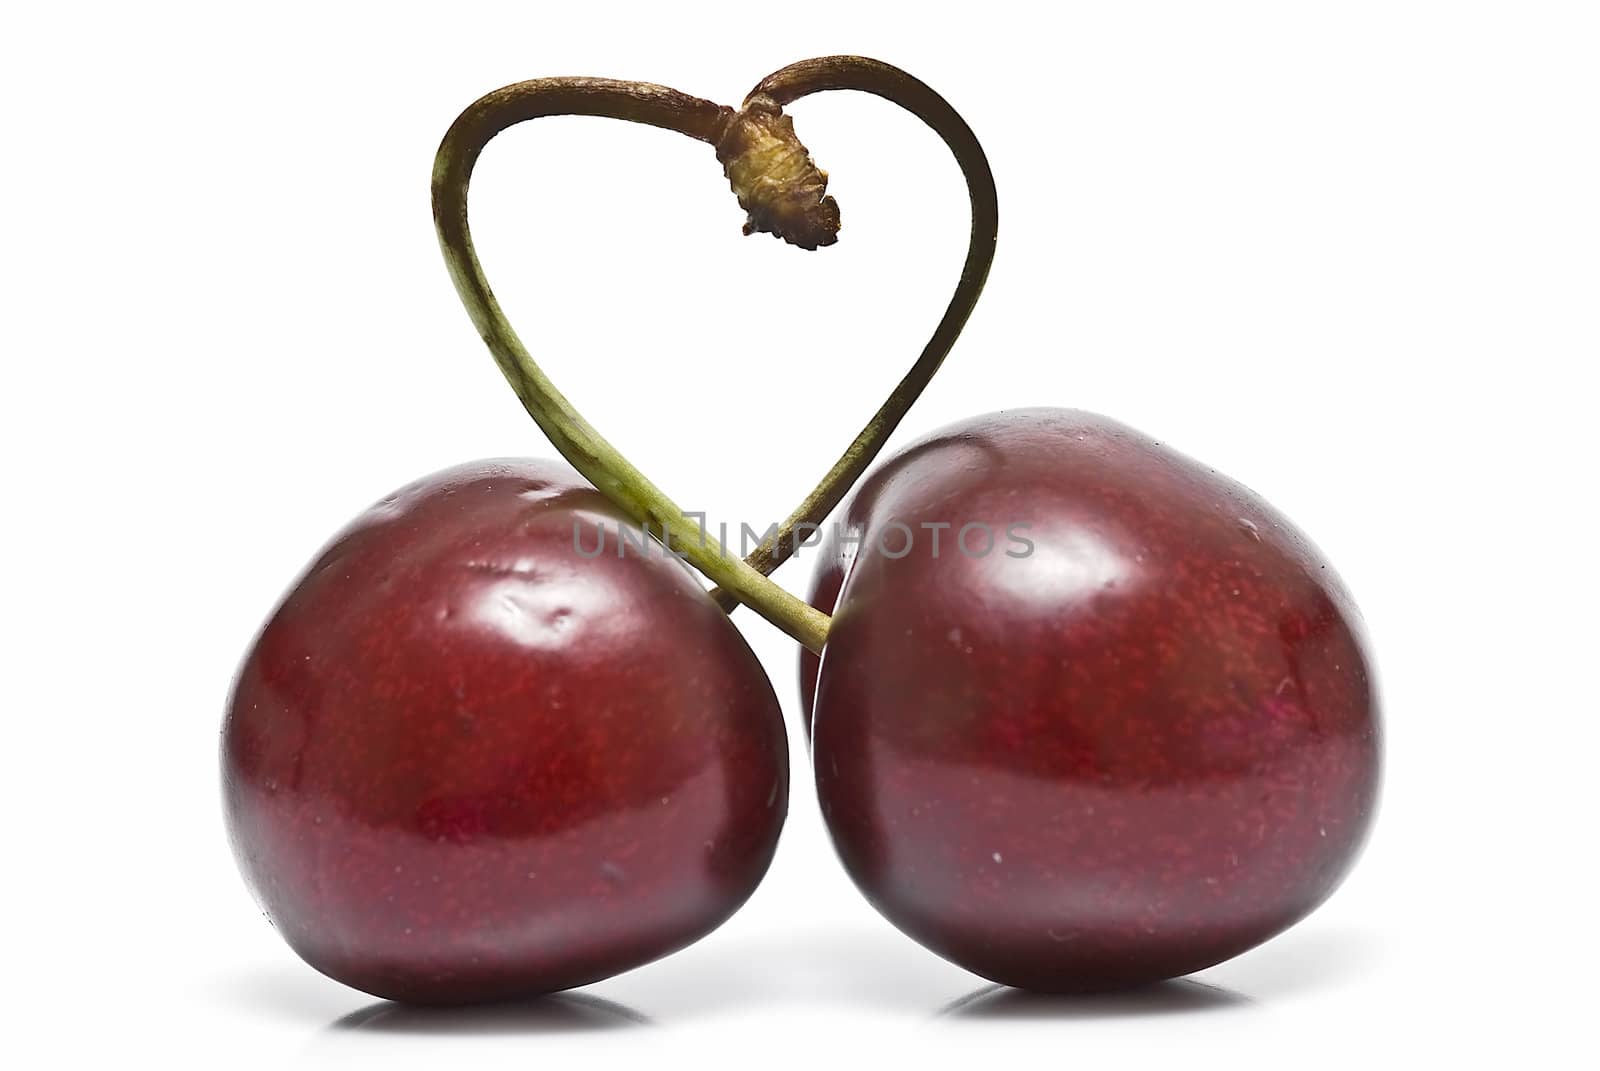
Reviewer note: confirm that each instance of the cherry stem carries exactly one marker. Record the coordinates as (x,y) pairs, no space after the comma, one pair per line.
(800,215)
(896,86)
(584,447)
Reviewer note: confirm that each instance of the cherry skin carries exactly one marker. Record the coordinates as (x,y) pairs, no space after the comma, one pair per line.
(1139,750)
(463,760)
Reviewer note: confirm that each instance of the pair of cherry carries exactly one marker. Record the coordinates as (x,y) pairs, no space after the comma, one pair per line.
(468,759)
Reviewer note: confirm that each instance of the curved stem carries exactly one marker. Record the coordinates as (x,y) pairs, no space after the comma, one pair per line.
(574,437)
(871,76)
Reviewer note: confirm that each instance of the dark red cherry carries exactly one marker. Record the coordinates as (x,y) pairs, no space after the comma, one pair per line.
(463,760)
(1133,737)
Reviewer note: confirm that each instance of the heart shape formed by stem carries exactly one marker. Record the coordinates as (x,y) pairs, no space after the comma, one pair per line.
(783,192)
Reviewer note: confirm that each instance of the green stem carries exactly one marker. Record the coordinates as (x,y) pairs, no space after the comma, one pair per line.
(574,437)
(794,209)
(896,86)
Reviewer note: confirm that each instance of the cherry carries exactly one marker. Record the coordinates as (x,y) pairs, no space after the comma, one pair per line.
(1138,749)
(464,760)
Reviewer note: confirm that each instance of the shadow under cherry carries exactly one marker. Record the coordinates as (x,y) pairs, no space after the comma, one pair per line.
(558,1013)
(1178,997)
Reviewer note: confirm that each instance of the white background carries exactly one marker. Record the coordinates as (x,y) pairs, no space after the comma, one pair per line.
(1348,253)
